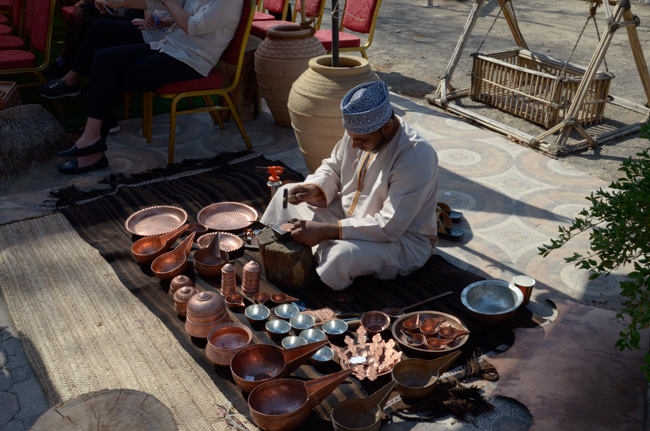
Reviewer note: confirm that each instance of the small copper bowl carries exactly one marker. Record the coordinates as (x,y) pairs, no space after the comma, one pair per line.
(199,228)
(257,313)
(208,265)
(293,341)
(235,301)
(412,324)
(437,344)
(226,339)
(286,311)
(261,297)
(430,327)
(277,328)
(375,322)
(335,328)
(302,321)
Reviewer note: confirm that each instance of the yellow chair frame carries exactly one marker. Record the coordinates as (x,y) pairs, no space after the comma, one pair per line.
(224,93)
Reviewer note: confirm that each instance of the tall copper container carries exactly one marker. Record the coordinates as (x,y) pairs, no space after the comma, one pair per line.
(251,279)
(228,279)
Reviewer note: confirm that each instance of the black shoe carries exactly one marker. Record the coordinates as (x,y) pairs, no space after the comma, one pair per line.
(97,147)
(57,89)
(72,166)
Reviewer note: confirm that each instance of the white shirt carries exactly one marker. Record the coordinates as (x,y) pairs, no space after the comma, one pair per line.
(211,27)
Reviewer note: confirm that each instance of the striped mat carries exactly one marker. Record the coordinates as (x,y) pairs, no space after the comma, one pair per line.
(101,223)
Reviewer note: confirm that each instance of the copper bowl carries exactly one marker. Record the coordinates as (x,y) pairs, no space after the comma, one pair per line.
(229,242)
(226,339)
(235,301)
(277,328)
(375,322)
(199,228)
(204,311)
(492,301)
(208,265)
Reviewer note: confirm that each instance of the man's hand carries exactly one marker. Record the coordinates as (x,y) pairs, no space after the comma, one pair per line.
(312,232)
(307,193)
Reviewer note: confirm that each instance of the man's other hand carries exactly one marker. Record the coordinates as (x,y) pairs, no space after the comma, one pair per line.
(308,193)
(312,233)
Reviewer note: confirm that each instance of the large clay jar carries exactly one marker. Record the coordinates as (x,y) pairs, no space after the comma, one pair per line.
(281,58)
(315,103)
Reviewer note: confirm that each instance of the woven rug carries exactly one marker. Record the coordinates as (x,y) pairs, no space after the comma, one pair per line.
(83,331)
(101,223)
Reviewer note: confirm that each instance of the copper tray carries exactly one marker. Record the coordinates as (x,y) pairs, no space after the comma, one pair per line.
(155,220)
(229,242)
(227,216)
(451,320)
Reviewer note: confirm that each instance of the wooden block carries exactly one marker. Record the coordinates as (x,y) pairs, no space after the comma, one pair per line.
(287,265)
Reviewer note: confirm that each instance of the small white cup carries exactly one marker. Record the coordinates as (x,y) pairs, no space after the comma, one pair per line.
(525,284)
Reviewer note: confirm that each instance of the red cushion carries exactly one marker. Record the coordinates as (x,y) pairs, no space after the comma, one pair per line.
(16,59)
(5,30)
(259,16)
(213,81)
(259,28)
(346,40)
(3,19)
(275,6)
(358,15)
(5,4)
(67,12)
(11,42)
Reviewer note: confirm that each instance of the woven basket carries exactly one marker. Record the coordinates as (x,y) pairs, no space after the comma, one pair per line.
(536,87)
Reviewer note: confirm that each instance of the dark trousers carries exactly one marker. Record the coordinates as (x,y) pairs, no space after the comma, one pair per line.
(118,61)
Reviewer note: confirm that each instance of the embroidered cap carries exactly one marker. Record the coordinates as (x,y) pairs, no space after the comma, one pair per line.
(366,108)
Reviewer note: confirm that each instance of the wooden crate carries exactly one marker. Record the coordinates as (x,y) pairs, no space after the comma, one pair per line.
(536,87)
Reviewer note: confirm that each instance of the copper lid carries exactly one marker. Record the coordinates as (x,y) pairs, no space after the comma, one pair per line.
(206,304)
(184,294)
(252,267)
(180,281)
(229,267)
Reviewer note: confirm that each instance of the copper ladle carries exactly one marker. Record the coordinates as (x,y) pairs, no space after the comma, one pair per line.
(281,298)
(169,265)
(413,340)
(449,332)
(434,343)
(398,312)
(148,248)
(261,297)
(417,378)
(362,414)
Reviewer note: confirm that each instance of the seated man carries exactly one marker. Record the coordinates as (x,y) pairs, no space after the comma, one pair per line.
(369,209)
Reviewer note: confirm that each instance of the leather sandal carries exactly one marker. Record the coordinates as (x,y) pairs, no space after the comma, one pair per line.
(97,147)
(455,216)
(446,230)
(72,166)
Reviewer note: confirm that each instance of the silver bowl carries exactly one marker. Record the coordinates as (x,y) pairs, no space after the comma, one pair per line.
(302,321)
(293,341)
(335,327)
(277,327)
(286,311)
(492,301)
(324,354)
(257,313)
(312,335)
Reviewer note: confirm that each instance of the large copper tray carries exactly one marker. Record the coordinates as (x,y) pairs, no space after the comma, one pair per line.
(229,242)
(155,220)
(423,351)
(227,216)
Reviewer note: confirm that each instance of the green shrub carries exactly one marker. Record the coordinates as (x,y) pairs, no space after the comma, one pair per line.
(617,223)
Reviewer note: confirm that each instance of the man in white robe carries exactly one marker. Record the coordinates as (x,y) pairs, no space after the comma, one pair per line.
(369,209)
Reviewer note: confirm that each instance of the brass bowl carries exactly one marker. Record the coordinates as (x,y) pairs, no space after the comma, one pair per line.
(226,339)
(491,301)
(293,341)
(375,322)
(277,328)
(286,311)
(302,321)
(208,265)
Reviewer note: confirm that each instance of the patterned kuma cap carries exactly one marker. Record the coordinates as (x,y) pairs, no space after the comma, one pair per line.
(366,108)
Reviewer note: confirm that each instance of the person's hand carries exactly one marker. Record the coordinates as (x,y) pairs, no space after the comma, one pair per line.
(307,193)
(312,233)
(140,23)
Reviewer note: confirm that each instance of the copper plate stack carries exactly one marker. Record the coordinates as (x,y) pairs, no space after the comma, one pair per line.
(181,297)
(228,279)
(251,280)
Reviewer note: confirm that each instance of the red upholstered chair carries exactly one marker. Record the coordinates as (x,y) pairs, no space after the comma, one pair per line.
(12,41)
(314,10)
(67,12)
(275,6)
(39,16)
(359,16)
(212,85)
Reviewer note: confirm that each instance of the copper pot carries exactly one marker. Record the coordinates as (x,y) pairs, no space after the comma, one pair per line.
(259,363)
(226,339)
(204,311)
(181,297)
